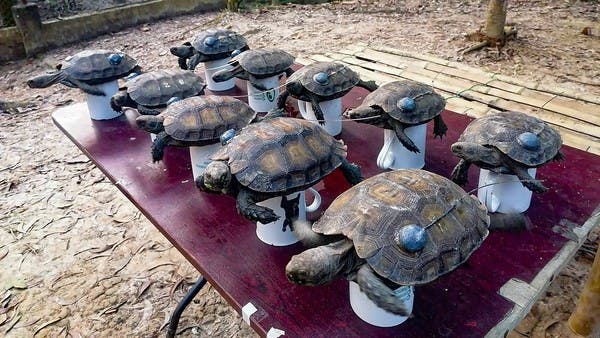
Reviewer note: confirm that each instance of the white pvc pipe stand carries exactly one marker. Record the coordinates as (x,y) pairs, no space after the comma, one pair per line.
(506,194)
(394,155)
(332,112)
(368,311)
(99,106)
(259,100)
(273,233)
(200,157)
(210,67)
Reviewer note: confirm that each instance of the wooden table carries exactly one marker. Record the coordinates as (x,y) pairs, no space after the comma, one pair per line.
(224,248)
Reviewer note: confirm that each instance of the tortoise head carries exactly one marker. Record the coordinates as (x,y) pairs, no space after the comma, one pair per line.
(295,88)
(150,123)
(474,152)
(45,80)
(216,177)
(184,51)
(366,114)
(310,268)
(120,100)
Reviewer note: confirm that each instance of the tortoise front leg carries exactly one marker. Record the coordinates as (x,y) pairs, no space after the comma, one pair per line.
(247,207)
(288,72)
(158,146)
(259,86)
(194,61)
(439,127)
(379,292)
(182,62)
(282,98)
(402,137)
(351,172)
(460,172)
(317,109)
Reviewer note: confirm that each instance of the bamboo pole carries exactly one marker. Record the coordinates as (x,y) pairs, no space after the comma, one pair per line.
(585,320)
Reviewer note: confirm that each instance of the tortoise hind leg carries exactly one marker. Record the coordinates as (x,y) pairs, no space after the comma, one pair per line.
(368,85)
(379,292)
(282,99)
(291,208)
(460,172)
(351,172)
(439,127)
(247,207)
(316,106)
(158,146)
(559,156)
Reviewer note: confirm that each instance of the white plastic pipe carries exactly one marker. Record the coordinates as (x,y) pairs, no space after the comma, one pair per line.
(200,157)
(332,112)
(504,193)
(273,233)
(394,155)
(210,67)
(368,311)
(261,101)
(99,106)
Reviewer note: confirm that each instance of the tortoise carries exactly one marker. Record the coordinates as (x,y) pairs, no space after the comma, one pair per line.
(209,45)
(257,64)
(398,228)
(195,121)
(150,92)
(87,69)
(401,104)
(507,143)
(275,157)
(321,81)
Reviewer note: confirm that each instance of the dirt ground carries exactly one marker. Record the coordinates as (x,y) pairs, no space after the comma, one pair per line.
(78,259)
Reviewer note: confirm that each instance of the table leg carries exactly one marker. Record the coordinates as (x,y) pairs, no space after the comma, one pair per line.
(172,330)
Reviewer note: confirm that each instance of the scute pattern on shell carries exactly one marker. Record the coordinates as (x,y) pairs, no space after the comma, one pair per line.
(373,212)
(281,155)
(200,118)
(501,130)
(157,87)
(226,41)
(341,79)
(264,62)
(429,104)
(93,64)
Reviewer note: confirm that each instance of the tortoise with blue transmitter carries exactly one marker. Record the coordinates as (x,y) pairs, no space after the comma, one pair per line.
(195,121)
(398,105)
(399,228)
(507,143)
(275,157)
(322,81)
(87,69)
(209,45)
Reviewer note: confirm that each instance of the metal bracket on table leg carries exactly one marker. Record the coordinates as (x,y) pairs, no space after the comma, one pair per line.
(172,330)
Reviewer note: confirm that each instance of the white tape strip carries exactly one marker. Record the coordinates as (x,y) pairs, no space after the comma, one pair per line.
(274,333)
(247,311)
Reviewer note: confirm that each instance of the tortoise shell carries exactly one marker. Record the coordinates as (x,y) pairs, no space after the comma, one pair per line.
(95,64)
(390,96)
(157,87)
(264,62)
(205,118)
(373,213)
(281,155)
(218,41)
(339,81)
(502,130)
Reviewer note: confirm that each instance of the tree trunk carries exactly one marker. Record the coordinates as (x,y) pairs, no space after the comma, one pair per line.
(5,13)
(585,320)
(494,22)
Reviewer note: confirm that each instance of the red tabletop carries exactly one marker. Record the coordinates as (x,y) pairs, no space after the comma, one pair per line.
(224,248)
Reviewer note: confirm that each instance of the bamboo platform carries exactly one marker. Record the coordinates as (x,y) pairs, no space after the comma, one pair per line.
(473,92)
